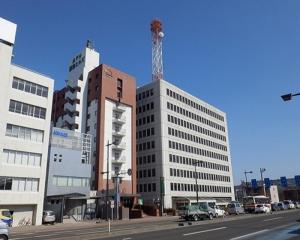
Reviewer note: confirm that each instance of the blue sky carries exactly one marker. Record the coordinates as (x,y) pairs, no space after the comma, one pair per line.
(239,56)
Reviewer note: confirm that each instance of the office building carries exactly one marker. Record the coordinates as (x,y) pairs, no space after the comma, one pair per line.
(25,114)
(100,101)
(175,132)
(68,173)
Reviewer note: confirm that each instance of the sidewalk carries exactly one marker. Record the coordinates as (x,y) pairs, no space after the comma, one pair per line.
(87,224)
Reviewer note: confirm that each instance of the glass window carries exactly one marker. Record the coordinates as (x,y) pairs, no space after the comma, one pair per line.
(39,90)
(21,85)
(15,83)
(18,107)
(33,89)
(27,87)
(21,184)
(18,159)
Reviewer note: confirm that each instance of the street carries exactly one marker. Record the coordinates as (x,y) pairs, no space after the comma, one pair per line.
(277,226)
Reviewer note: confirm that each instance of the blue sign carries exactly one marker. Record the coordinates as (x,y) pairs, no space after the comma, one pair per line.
(254,183)
(283,182)
(267,182)
(59,133)
(297,180)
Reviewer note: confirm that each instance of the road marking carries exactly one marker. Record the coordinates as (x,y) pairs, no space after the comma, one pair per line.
(271,219)
(126,238)
(208,230)
(250,234)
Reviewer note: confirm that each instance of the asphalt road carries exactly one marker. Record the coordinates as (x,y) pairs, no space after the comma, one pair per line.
(278,226)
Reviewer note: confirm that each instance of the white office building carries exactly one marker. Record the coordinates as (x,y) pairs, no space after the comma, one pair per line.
(175,132)
(25,114)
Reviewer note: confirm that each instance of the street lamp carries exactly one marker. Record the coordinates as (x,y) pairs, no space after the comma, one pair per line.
(288,97)
(262,180)
(107,175)
(197,163)
(246,172)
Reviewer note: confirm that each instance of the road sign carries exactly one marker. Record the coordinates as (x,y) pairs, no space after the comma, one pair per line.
(283,181)
(297,180)
(112,203)
(254,183)
(267,182)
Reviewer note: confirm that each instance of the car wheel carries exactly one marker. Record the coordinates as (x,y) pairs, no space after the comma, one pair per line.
(52,223)
(210,216)
(216,215)
(3,237)
(237,213)
(195,218)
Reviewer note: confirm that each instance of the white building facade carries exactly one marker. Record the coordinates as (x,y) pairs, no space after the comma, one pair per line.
(25,114)
(175,132)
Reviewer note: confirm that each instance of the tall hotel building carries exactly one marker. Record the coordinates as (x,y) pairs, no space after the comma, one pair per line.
(175,132)
(100,100)
(25,114)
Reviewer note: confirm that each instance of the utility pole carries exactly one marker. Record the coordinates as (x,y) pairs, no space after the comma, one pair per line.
(195,163)
(262,180)
(245,172)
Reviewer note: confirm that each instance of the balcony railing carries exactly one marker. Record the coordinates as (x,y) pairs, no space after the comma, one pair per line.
(119,146)
(119,160)
(119,132)
(119,119)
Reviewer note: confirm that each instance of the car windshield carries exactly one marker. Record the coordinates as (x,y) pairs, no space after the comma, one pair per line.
(259,205)
(6,214)
(231,205)
(49,213)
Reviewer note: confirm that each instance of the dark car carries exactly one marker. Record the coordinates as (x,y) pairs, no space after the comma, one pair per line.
(275,207)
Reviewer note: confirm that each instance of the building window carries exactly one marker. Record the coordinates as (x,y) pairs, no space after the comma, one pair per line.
(24,133)
(27,109)
(21,158)
(29,87)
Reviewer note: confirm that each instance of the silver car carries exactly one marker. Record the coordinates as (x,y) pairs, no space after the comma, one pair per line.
(4,231)
(48,217)
(235,208)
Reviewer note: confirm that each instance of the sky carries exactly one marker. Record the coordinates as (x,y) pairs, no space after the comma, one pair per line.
(239,56)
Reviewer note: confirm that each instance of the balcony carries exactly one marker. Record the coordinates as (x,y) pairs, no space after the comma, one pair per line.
(119,132)
(119,160)
(119,146)
(119,108)
(119,119)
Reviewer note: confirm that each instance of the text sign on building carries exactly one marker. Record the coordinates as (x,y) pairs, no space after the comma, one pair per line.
(297,180)
(267,182)
(60,133)
(254,183)
(283,182)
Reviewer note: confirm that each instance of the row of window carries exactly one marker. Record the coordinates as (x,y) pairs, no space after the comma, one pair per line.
(145,133)
(196,139)
(21,158)
(145,120)
(145,159)
(27,109)
(24,133)
(146,173)
(194,127)
(19,184)
(191,161)
(194,116)
(144,94)
(63,181)
(147,187)
(145,146)
(201,188)
(200,175)
(144,108)
(198,151)
(29,87)
(194,105)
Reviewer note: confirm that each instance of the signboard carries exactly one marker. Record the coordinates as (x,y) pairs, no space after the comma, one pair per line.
(254,183)
(140,201)
(283,182)
(112,203)
(60,133)
(267,182)
(297,180)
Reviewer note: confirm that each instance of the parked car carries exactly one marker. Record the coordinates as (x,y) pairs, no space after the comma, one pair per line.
(281,206)
(235,208)
(196,212)
(6,216)
(275,207)
(297,204)
(4,231)
(262,208)
(289,204)
(48,217)
(219,212)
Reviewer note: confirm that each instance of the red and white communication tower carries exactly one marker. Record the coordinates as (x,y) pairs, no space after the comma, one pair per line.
(157,63)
